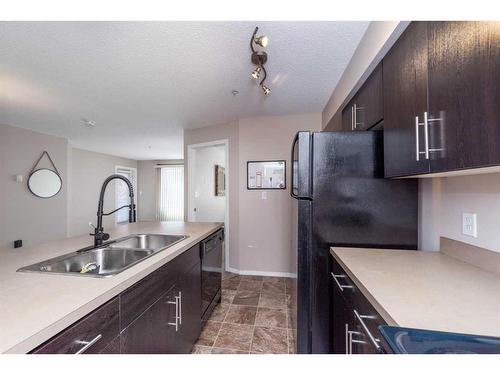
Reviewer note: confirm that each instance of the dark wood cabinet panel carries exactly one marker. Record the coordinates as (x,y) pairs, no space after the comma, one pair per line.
(96,330)
(369,101)
(366,108)
(151,332)
(354,320)
(348,117)
(464,94)
(405,98)
(113,347)
(190,326)
(143,294)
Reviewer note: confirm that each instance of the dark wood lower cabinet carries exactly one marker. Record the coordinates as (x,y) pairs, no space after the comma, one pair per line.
(161,314)
(90,335)
(354,320)
(190,309)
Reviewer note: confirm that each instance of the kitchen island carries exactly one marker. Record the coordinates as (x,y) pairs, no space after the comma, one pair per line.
(34,307)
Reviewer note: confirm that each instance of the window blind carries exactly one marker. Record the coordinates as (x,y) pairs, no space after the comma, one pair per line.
(170,205)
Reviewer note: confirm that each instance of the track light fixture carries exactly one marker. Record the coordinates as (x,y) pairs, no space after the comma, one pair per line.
(256,73)
(261,41)
(259,58)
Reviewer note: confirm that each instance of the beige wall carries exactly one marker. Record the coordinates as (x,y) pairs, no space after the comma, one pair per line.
(88,170)
(260,230)
(146,200)
(23,215)
(443,200)
(265,235)
(376,41)
(214,133)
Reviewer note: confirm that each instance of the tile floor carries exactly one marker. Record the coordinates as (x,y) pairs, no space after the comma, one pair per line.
(252,318)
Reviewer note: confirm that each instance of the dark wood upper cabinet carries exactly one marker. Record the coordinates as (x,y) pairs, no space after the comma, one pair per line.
(369,101)
(365,109)
(405,101)
(441,98)
(464,94)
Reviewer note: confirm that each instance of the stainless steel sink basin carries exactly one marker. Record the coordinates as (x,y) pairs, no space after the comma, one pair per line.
(147,241)
(107,260)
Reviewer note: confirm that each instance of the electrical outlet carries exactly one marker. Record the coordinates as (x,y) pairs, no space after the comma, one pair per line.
(469,224)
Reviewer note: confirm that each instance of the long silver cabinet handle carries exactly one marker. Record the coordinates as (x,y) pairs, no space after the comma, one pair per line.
(355,117)
(426,132)
(180,308)
(352,118)
(374,341)
(87,344)
(342,287)
(416,139)
(347,337)
(176,303)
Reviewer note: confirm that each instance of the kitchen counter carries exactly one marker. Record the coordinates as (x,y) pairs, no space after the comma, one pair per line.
(426,290)
(35,306)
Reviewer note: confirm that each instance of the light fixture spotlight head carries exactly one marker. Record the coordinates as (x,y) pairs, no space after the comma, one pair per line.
(256,72)
(266,90)
(261,40)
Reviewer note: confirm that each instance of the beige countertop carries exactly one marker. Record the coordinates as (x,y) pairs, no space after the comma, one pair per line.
(35,306)
(424,289)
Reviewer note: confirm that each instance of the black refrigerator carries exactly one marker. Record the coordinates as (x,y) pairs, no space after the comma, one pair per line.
(341,199)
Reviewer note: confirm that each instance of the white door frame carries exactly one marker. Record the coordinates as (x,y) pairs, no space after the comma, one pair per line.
(190,201)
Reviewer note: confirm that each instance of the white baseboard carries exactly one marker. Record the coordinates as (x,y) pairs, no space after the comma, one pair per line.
(261,273)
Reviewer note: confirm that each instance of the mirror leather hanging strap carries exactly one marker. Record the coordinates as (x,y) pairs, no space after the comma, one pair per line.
(51,162)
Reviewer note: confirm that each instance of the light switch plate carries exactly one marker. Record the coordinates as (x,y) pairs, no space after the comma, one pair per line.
(469,224)
(264,195)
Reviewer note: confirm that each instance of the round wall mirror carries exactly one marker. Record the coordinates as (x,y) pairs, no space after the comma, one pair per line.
(44,183)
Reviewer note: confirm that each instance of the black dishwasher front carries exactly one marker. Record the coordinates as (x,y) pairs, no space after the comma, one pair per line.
(211,272)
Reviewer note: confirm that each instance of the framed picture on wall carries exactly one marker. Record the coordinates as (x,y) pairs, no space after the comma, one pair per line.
(266,175)
(220,181)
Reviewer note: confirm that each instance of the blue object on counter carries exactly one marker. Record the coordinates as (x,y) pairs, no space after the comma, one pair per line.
(402,340)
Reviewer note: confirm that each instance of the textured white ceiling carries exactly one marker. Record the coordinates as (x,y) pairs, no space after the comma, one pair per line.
(144,82)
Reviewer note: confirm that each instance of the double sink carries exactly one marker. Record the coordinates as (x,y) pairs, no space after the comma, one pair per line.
(109,259)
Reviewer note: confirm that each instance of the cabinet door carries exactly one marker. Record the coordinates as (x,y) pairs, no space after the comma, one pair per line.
(339,323)
(190,309)
(90,335)
(369,108)
(405,98)
(154,331)
(348,117)
(464,94)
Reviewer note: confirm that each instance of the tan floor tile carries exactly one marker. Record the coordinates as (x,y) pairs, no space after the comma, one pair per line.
(241,315)
(227,296)
(274,280)
(248,298)
(271,300)
(291,317)
(273,288)
(231,284)
(292,339)
(209,334)
(270,340)
(219,313)
(250,285)
(271,318)
(227,351)
(200,349)
(251,277)
(235,336)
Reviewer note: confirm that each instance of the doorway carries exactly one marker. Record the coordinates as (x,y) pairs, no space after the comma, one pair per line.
(208,186)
